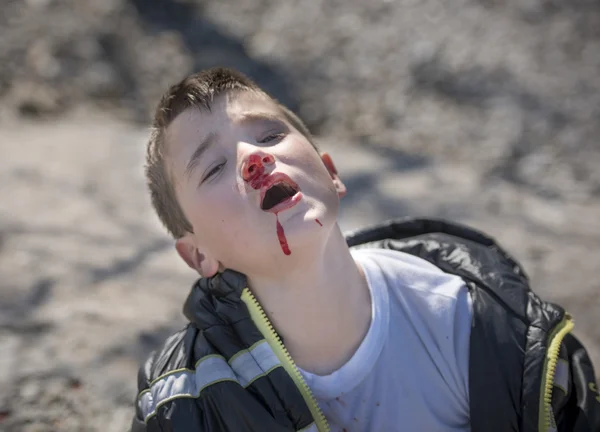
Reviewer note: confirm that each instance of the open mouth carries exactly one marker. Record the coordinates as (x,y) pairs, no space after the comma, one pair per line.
(277,194)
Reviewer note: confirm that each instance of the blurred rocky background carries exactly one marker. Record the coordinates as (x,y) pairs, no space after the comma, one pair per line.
(482,111)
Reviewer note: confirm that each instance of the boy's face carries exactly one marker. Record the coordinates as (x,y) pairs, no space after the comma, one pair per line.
(253,187)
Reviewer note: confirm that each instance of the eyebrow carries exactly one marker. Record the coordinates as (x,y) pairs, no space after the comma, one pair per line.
(206,143)
(249,117)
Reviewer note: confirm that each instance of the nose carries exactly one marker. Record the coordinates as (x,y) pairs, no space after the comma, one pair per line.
(254,165)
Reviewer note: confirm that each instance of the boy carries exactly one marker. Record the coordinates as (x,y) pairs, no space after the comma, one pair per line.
(423,326)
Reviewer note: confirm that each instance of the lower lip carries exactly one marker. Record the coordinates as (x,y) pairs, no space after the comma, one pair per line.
(288,203)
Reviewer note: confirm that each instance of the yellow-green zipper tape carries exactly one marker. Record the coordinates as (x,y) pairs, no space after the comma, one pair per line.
(261,320)
(554,341)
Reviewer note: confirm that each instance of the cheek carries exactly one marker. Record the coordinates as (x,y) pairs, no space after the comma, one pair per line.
(233,241)
(219,214)
(319,176)
(214,208)
(301,154)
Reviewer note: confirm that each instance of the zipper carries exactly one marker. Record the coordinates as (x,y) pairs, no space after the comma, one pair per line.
(546,418)
(264,325)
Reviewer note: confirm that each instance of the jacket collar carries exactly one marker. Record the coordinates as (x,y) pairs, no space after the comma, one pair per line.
(216,300)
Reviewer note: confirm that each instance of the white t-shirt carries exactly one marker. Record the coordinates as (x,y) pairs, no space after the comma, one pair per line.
(410,372)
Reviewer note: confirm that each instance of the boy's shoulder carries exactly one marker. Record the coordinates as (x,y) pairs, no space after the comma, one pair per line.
(455,249)
(217,361)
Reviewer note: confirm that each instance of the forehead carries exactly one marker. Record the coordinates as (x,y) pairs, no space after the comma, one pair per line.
(230,108)
(242,105)
(193,125)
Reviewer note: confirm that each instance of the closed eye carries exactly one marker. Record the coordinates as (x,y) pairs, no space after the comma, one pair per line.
(213,171)
(271,137)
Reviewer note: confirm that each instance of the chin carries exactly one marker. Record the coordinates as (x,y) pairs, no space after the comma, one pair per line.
(311,218)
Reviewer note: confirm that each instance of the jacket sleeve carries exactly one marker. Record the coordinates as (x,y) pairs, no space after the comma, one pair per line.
(224,407)
(576,397)
(138,424)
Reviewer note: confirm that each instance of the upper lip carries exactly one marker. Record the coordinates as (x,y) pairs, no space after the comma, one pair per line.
(273,179)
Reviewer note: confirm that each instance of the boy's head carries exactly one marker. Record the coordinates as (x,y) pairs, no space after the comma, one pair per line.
(221,154)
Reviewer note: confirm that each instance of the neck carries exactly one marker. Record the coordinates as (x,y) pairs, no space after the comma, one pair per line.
(321,307)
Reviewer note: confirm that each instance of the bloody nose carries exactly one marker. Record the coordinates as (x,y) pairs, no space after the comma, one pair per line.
(254,167)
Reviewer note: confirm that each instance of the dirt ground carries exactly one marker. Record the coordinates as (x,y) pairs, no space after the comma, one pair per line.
(482,111)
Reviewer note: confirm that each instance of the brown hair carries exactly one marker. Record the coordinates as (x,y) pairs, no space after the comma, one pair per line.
(197,90)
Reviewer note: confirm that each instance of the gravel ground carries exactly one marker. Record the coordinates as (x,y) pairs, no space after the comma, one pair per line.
(481,111)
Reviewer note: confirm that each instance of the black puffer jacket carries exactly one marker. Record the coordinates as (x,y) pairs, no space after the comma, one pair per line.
(228,370)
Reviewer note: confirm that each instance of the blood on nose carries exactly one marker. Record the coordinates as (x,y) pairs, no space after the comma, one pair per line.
(253,170)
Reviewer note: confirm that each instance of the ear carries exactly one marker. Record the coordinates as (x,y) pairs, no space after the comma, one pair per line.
(337,182)
(202,263)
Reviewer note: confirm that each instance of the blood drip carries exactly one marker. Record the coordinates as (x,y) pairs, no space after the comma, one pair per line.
(281,236)
(255,175)
(317,221)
